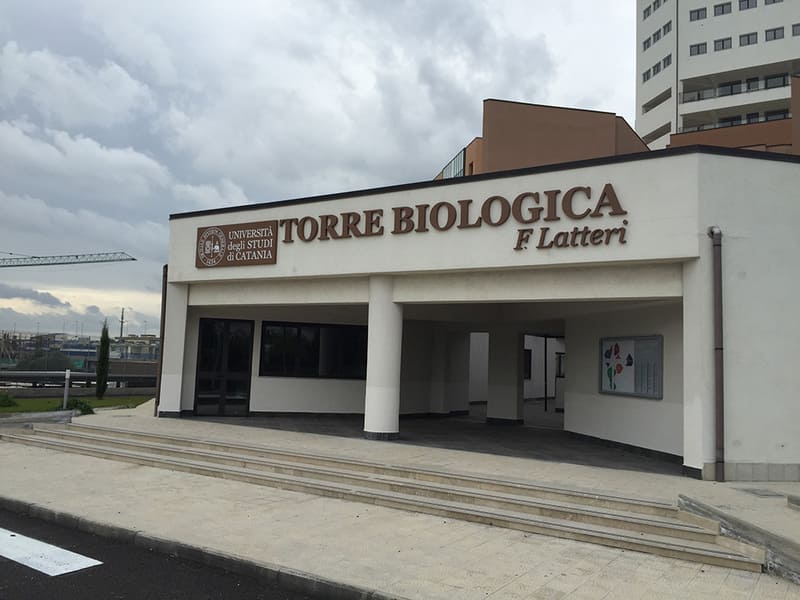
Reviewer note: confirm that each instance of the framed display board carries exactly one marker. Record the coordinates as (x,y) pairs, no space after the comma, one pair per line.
(632,366)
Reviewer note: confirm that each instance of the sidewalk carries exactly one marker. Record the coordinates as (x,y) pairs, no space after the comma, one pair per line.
(398,553)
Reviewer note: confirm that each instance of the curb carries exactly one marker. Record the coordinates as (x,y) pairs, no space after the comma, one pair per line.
(284,577)
(782,554)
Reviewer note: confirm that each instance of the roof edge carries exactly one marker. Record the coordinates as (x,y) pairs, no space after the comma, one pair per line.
(590,162)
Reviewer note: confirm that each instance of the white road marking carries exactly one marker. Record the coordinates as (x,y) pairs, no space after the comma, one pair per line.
(43,557)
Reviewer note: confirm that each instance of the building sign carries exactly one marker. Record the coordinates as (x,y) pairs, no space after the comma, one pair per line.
(549,220)
(237,245)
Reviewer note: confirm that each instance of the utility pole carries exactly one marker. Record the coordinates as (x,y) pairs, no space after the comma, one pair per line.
(121,323)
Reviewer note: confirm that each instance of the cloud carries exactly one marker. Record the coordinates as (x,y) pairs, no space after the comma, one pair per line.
(43,298)
(67,91)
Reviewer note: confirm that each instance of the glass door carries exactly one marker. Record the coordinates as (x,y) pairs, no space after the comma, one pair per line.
(224,361)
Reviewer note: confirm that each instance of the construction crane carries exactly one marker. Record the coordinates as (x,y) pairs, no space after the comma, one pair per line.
(22,260)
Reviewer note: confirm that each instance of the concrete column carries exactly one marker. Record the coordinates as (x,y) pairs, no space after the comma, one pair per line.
(505,376)
(437,389)
(698,365)
(384,351)
(172,349)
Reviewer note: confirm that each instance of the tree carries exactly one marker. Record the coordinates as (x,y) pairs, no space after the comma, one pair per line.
(102,362)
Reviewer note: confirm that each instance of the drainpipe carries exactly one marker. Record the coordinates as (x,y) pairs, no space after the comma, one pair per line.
(715,234)
(161,336)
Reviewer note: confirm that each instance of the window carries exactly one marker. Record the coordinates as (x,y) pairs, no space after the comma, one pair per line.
(723,44)
(646,12)
(722,9)
(768,2)
(656,5)
(776,81)
(773,34)
(667,61)
(656,68)
(646,44)
(745,4)
(729,121)
(776,115)
(752,117)
(752,84)
(632,366)
(697,14)
(667,28)
(646,75)
(656,35)
(696,49)
(748,39)
(313,350)
(796,29)
(730,88)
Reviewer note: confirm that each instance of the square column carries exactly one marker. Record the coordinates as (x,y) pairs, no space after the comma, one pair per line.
(505,377)
(172,350)
(384,351)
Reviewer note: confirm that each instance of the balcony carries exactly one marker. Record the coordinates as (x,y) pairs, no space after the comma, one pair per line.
(735,88)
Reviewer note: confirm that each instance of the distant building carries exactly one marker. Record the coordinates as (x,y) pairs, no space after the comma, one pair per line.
(715,65)
(518,135)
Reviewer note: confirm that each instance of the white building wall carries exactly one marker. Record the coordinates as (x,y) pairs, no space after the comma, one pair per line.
(643,422)
(757,212)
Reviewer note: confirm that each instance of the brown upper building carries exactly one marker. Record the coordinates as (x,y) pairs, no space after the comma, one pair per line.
(517,135)
(778,134)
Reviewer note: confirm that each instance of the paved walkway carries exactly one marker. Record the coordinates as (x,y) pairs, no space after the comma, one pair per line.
(399,553)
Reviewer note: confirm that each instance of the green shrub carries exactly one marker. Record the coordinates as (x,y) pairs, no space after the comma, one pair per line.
(81,405)
(6,400)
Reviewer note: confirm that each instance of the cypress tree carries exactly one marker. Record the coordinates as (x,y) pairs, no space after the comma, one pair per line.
(102,362)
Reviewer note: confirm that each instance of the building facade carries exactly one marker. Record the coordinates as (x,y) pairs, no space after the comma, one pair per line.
(516,135)
(367,303)
(714,64)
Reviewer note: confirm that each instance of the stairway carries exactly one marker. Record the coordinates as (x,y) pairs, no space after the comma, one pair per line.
(627,523)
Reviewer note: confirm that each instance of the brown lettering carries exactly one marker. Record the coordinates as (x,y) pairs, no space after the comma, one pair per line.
(552,203)
(566,202)
(403,219)
(436,212)
(597,237)
(301,229)
(287,225)
(422,217)
(533,212)
(608,198)
(350,221)
(372,225)
(327,230)
(464,223)
(523,237)
(486,210)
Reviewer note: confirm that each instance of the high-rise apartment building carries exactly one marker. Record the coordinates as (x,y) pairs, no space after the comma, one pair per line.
(703,65)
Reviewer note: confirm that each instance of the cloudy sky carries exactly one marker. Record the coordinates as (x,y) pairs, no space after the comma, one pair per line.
(115,114)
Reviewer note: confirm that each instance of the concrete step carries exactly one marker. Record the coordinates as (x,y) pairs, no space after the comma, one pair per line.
(658,525)
(464,480)
(702,551)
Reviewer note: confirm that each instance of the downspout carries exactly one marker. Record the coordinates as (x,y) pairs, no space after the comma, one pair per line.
(715,234)
(161,337)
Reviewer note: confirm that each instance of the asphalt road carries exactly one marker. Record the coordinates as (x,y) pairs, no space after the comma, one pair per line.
(128,572)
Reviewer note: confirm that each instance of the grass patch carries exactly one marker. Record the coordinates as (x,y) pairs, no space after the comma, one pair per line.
(48,404)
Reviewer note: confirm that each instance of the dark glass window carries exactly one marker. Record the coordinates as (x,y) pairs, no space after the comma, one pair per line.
(730,88)
(667,27)
(722,9)
(748,39)
(752,117)
(313,350)
(696,49)
(745,4)
(774,34)
(796,29)
(775,81)
(723,44)
(776,115)
(697,14)
(730,121)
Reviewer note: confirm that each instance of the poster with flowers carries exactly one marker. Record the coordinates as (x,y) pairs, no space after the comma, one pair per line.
(618,362)
(631,366)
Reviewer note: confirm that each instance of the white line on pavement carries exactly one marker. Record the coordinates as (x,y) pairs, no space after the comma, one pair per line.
(43,557)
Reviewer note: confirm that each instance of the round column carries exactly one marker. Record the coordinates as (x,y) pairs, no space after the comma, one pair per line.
(384,344)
